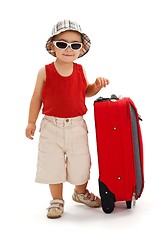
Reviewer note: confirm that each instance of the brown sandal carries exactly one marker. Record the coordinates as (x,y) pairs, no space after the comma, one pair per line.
(89,199)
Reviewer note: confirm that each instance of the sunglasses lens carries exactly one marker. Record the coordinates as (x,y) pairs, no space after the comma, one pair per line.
(61,45)
(76,46)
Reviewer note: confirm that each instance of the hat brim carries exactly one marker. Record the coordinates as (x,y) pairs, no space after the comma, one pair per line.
(85,40)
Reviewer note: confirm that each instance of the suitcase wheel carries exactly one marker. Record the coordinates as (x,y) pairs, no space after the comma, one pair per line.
(107,198)
(108,206)
(129,204)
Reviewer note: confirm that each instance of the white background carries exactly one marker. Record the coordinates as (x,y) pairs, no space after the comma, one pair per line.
(129,46)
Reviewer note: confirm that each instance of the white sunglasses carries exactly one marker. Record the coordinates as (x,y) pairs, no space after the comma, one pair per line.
(64,45)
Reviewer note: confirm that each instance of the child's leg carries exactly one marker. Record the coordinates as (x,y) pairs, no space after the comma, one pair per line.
(56,190)
(56,208)
(81,188)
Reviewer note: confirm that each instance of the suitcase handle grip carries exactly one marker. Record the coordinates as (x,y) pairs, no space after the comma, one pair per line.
(113,96)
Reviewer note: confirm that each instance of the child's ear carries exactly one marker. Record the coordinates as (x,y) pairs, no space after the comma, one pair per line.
(52,46)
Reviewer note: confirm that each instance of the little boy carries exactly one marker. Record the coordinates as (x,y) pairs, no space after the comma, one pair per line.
(60,90)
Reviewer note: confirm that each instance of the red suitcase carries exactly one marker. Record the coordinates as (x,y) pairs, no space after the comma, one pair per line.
(120,151)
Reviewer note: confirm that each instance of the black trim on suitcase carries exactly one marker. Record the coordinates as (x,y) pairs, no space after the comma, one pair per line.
(107,198)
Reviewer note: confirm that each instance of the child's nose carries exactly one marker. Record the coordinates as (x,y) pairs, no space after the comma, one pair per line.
(68,48)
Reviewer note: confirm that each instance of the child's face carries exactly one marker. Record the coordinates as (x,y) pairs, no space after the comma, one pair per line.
(68,54)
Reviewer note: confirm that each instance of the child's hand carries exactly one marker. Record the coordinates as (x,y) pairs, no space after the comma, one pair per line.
(101,82)
(30,130)
(94,88)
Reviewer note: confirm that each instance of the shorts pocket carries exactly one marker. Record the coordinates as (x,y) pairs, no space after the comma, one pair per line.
(43,124)
(80,138)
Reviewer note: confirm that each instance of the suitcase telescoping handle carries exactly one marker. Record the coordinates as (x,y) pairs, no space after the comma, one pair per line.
(113,98)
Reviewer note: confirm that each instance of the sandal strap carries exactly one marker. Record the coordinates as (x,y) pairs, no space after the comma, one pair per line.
(56,203)
(56,200)
(88,195)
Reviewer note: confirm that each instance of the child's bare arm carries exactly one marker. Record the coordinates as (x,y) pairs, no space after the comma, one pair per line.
(35,104)
(93,89)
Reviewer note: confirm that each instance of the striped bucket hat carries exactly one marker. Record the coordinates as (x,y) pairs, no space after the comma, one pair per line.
(63,26)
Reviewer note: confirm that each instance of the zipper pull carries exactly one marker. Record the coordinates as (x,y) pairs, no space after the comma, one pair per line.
(133,199)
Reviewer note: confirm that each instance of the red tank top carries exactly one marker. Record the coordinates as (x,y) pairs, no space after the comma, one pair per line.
(64,96)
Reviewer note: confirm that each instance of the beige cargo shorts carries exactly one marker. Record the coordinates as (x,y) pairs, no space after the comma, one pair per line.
(63,151)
